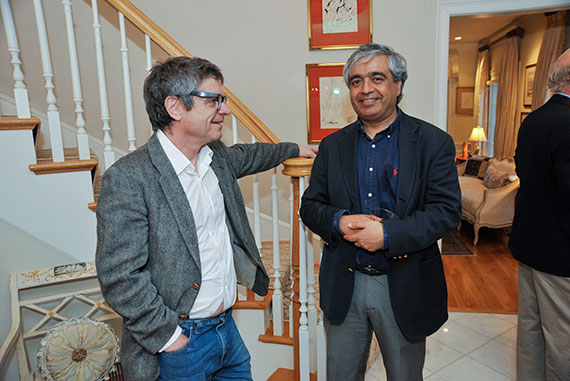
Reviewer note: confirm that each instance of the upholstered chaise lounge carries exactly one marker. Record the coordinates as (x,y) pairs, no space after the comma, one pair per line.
(488,190)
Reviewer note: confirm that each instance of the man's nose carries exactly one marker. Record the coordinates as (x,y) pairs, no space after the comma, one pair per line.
(366,86)
(225,110)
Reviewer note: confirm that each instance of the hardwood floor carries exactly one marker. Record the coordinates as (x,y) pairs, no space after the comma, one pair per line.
(486,282)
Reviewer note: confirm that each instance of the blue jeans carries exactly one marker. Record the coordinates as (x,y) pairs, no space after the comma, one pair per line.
(215,351)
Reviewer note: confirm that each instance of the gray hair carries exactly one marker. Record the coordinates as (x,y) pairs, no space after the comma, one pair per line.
(396,63)
(560,75)
(177,76)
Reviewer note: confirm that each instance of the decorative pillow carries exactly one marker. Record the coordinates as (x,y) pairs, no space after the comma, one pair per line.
(475,165)
(483,168)
(494,179)
(78,349)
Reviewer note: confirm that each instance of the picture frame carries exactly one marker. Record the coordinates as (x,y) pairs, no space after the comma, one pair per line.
(529,71)
(524,114)
(328,101)
(464,100)
(339,26)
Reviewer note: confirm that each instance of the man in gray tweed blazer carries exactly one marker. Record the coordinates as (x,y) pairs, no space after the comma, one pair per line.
(172,232)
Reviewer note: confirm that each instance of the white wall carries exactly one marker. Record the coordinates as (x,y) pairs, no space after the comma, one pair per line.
(262,48)
(20,252)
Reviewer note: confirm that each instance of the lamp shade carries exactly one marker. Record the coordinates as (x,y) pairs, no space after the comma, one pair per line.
(478,135)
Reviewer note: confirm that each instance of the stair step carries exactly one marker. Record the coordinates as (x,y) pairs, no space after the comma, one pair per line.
(269,337)
(72,163)
(14,123)
(282,374)
(97,182)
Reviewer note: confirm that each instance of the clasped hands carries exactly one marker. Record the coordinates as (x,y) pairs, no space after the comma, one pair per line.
(365,231)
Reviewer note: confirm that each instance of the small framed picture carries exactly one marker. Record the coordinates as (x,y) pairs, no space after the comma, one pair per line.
(339,24)
(328,100)
(529,71)
(464,100)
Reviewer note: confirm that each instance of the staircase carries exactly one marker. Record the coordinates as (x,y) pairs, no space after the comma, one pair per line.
(51,167)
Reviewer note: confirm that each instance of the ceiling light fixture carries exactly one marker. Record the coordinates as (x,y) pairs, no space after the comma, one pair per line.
(457,38)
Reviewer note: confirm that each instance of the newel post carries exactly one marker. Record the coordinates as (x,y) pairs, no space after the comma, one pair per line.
(299,168)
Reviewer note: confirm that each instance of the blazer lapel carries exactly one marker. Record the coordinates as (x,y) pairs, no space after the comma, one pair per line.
(175,198)
(347,151)
(407,162)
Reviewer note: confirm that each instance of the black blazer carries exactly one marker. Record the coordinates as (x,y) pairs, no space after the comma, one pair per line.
(428,205)
(540,236)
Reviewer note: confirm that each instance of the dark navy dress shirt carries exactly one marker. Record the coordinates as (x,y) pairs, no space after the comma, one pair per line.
(377,173)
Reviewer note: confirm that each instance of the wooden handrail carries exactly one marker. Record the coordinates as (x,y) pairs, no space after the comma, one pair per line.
(141,21)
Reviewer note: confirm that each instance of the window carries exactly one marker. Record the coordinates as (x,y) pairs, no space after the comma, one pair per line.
(492,118)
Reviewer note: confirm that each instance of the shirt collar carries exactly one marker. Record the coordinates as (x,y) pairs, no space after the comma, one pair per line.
(177,159)
(388,130)
(563,94)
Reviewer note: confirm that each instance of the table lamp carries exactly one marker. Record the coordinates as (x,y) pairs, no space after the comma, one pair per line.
(477,135)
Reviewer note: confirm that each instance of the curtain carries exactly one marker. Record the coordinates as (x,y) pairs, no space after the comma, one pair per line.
(550,49)
(479,100)
(507,100)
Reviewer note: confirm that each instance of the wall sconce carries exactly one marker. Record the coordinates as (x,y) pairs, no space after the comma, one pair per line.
(477,135)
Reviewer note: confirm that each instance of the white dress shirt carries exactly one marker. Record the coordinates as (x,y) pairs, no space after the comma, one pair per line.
(201,187)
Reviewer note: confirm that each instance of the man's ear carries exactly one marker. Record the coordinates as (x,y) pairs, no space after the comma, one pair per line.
(399,85)
(174,107)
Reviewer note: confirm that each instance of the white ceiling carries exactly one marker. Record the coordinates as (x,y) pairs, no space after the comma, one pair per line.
(475,28)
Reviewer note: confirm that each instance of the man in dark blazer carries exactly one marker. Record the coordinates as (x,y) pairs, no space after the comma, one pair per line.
(378,274)
(540,237)
(173,235)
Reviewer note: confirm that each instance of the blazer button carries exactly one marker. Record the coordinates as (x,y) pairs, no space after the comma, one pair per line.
(350,269)
(195,285)
(182,317)
(405,255)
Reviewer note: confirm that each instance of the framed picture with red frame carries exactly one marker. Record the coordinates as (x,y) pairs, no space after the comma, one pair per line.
(328,101)
(339,24)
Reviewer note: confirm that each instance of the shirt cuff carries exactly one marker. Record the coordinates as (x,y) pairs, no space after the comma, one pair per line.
(386,244)
(177,333)
(336,232)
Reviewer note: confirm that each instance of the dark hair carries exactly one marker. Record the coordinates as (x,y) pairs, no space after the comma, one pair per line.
(396,63)
(177,76)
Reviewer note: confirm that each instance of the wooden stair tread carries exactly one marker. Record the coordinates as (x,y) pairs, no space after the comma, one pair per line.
(283,374)
(70,154)
(269,337)
(45,164)
(15,123)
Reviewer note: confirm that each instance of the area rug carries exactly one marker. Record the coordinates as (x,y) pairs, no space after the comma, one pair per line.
(453,245)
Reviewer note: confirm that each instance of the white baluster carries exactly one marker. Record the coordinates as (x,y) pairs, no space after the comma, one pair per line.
(148,51)
(322,351)
(127,85)
(234,129)
(277,294)
(292,280)
(20,90)
(256,215)
(53,114)
(82,138)
(108,153)
(312,311)
(304,354)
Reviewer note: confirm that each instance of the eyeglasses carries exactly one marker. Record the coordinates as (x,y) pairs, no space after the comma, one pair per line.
(220,99)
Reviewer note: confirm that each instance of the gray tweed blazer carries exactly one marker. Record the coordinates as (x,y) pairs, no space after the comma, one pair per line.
(148,260)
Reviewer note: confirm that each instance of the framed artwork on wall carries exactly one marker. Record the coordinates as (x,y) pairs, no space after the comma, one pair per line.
(529,71)
(339,24)
(328,100)
(464,100)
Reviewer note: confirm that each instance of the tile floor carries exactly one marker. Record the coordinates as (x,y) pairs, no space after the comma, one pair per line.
(469,347)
